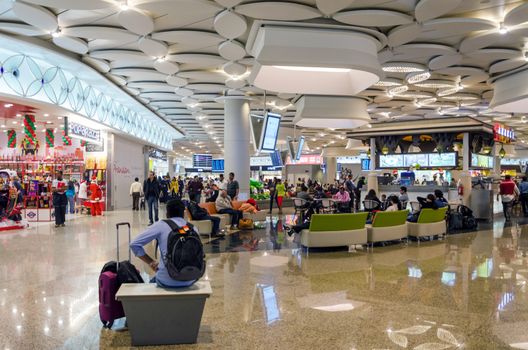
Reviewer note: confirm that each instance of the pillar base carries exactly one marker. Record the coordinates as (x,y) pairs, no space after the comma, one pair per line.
(372,181)
(465,181)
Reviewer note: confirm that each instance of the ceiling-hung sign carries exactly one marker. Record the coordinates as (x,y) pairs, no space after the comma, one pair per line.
(502,133)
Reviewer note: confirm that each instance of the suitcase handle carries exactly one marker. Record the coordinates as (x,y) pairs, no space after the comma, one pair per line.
(129,240)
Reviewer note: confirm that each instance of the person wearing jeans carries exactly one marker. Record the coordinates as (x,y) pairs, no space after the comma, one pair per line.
(523,188)
(58,188)
(152,190)
(223,205)
(508,191)
(70,195)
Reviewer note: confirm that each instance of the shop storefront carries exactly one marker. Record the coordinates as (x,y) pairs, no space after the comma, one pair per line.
(158,162)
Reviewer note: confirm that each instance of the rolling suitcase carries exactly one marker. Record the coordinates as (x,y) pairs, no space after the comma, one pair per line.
(109,282)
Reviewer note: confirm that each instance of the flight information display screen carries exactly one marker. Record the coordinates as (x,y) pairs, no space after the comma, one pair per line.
(202,161)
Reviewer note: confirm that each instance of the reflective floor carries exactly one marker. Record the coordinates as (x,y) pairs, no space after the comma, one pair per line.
(467,291)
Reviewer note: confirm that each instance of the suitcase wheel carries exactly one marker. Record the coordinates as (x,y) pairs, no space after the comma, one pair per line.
(107,324)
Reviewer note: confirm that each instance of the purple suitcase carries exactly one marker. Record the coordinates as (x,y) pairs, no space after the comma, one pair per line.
(109,308)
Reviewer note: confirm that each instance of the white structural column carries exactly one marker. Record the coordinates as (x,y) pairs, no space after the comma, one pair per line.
(372,181)
(331,170)
(236,141)
(465,176)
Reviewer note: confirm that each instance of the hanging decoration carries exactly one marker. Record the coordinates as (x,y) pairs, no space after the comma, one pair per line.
(83,143)
(29,129)
(11,138)
(66,140)
(50,138)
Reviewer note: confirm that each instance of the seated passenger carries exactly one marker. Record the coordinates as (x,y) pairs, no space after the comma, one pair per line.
(440,200)
(303,193)
(404,197)
(199,213)
(213,193)
(371,195)
(224,206)
(160,231)
(425,203)
(394,204)
(343,200)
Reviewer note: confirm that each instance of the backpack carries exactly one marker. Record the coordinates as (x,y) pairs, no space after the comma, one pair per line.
(185,258)
(197,212)
(126,272)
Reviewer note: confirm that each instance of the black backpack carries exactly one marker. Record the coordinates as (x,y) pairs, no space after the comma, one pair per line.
(126,272)
(197,212)
(185,258)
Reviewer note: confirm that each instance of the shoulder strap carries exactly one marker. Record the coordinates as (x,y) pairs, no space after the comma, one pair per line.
(172,224)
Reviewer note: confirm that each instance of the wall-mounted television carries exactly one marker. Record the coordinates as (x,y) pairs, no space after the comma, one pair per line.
(202,161)
(218,165)
(481,161)
(390,161)
(270,132)
(439,160)
(365,164)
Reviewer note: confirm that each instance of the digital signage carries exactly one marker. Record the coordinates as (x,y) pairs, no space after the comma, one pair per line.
(270,132)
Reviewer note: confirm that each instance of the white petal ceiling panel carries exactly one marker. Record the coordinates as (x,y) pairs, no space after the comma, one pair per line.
(506,65)
(99,64)
(235,83)
(132,91)
(470,73)
(184,92)
(234,68)
(517,15)
(160,96)
(136,21)
(21,29)
(198,59)
(228,3)
(196,38)
(119,80)
(404,34)
(74,4)
(230,25)
(231,50)
(127,63)
(206,97)
(71,44)
(423,50)
(125,55)
(276,10)
(168,104)
(166,67)
(373,18)
(101,32)
(153,48)
(206,87)
(329,7)
(211,76)
(176,81)
(151,86)
(180,12)
(78,17)
(385,55)
(443,27)
(479,41)
(137,74)
(35,15)
(429,9)
(444,61)
(491,55)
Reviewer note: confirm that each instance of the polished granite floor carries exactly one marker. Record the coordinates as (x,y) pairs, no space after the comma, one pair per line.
(467,291)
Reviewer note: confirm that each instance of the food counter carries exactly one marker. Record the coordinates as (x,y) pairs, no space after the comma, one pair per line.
(413,192)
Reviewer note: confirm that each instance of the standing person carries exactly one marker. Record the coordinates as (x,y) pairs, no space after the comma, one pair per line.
(351,189)
(58,188)
(136,191)
(70,196)
(508,191)
(181,187)
(523,189)
(222,183)
(224,206)
(232,187)
(280,190)
(151,188)
(273,194)
(195,189)
(96,194)
(361,182)
(174,187)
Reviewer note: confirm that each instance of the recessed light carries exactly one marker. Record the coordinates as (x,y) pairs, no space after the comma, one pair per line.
(8,105)
(59,118)
(48,122)
(46,114)
(502,28)
(15,122)
(18,115)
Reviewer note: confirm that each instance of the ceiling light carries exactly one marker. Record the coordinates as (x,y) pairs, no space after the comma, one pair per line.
(447,91)
(397,90)
(124,6)
(416,77)
(415,94)
(3,125)
(59,118)
(369,126)
(43,130)
(427,101)
(502,28)
(48,122)
(161,59)
(14,122)
(314,69)
(403,67)
(45,114)
(8,105)
(18,115)
(436,84)
(388,82)
(56,33)
(462,97)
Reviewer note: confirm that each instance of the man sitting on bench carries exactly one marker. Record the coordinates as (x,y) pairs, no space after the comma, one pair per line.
(160,231)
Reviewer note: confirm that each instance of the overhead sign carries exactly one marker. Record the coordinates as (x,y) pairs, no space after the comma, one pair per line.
(260,161)
(306,160)
(83,132)
(94,147)
(157,154)
(502,133)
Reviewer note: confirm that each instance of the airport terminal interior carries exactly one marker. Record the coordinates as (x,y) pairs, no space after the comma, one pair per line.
(260,174)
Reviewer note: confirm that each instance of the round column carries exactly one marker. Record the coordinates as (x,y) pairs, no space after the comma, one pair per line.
(372,177)
(236,141)
(331,170)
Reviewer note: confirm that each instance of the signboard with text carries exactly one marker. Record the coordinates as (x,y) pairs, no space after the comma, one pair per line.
(502,133)
(306,160)
(83,132)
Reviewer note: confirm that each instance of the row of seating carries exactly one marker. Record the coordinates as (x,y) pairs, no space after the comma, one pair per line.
(334,230)
(206,227)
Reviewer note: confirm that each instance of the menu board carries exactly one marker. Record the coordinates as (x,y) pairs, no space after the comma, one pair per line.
(391,161)
(202,161)
(442,160)
(416,158)
(481,161)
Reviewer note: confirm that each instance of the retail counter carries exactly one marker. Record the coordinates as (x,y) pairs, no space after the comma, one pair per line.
(415,191)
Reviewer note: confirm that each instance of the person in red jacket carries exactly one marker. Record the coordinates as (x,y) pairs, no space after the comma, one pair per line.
(96,195)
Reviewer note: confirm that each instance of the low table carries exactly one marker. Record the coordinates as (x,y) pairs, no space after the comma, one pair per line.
(159,316)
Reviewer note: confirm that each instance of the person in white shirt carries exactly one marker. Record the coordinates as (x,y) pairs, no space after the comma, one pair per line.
(394,204)
(224,206)
(136,191)
(222,183)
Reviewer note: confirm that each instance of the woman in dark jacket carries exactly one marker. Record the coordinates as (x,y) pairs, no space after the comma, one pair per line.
(371,195)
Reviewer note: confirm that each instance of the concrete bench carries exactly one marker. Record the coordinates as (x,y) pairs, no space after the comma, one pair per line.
(159,316)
